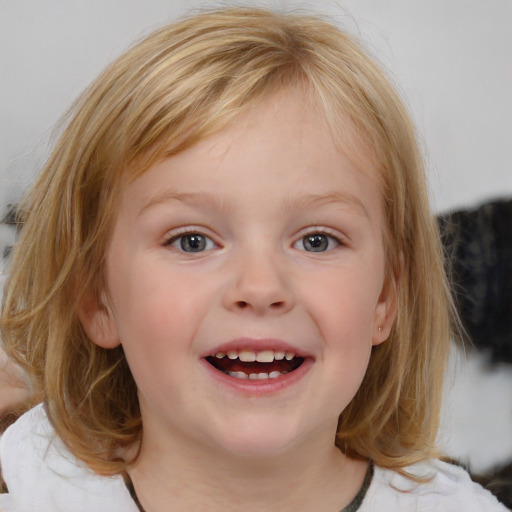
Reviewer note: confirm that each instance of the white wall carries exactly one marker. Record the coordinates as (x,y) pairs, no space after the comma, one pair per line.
(452,58)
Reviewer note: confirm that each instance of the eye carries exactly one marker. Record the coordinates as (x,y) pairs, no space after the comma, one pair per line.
(191,242)
(317,242)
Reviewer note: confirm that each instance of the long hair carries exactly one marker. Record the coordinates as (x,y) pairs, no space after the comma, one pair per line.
(175,88)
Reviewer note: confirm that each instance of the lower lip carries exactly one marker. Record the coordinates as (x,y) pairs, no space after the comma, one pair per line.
(260,387)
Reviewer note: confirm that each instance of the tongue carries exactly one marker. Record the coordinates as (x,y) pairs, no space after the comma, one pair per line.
(235,365)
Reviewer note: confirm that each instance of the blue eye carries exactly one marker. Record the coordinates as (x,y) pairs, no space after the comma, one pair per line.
(191,242)
(317,242)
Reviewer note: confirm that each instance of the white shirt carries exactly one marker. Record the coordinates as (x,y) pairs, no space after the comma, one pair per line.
(43,476)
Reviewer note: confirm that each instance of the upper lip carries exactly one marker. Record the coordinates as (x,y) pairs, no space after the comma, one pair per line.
(257,345)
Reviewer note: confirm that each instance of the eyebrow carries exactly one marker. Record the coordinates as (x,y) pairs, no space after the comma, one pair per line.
(303,202)
(308,201)
(200,198)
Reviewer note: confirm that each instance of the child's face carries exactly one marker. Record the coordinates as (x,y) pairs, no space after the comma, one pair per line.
(259,241)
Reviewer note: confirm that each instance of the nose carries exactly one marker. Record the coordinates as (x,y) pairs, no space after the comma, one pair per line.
(260,284)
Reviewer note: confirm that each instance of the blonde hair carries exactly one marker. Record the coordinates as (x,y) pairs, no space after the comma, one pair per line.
(181,84)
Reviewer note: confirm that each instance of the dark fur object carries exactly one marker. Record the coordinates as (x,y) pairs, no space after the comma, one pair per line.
(498,482)
(11,218)
(478,247)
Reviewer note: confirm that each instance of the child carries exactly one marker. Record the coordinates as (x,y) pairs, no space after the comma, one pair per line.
(230,287)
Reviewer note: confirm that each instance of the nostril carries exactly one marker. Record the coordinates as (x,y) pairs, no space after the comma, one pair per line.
(242,304)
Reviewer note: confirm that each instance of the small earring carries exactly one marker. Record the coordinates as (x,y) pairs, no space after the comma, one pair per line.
(380,328)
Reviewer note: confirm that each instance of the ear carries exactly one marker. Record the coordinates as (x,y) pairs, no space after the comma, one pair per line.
(386,310)
(98,321)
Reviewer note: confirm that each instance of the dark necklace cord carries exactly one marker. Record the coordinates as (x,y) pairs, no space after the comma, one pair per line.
(353,506)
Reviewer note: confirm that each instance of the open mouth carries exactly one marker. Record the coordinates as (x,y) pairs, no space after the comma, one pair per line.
(260,365)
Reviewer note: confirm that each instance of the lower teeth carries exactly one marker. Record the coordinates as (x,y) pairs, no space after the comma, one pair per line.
(256,376)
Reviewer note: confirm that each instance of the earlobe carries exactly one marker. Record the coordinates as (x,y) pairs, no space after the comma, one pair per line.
(386,311)
(98,322)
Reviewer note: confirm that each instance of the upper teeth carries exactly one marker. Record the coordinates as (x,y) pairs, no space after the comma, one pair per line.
(263,356)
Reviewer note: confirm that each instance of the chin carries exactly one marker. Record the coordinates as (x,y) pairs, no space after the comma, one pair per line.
(260,449)
(258,440)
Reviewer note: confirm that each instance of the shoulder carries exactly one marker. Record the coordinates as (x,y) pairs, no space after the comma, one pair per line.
(43,476)
(447,488)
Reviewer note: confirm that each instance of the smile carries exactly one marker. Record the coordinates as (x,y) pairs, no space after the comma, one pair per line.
(255,365)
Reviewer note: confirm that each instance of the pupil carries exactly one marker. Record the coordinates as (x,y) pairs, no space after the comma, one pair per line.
(316,243)
(193,243)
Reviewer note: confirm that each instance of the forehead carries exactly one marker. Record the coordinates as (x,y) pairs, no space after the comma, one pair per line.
(299,102)
(281,147)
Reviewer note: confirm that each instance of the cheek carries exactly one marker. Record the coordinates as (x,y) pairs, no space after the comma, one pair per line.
(158,309)
(343,305)
(151,316)
(156,333)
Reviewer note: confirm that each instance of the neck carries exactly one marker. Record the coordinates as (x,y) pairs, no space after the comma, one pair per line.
(314,476)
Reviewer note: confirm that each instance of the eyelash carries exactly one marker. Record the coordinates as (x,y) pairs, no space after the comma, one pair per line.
(323,233)
(175,237)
